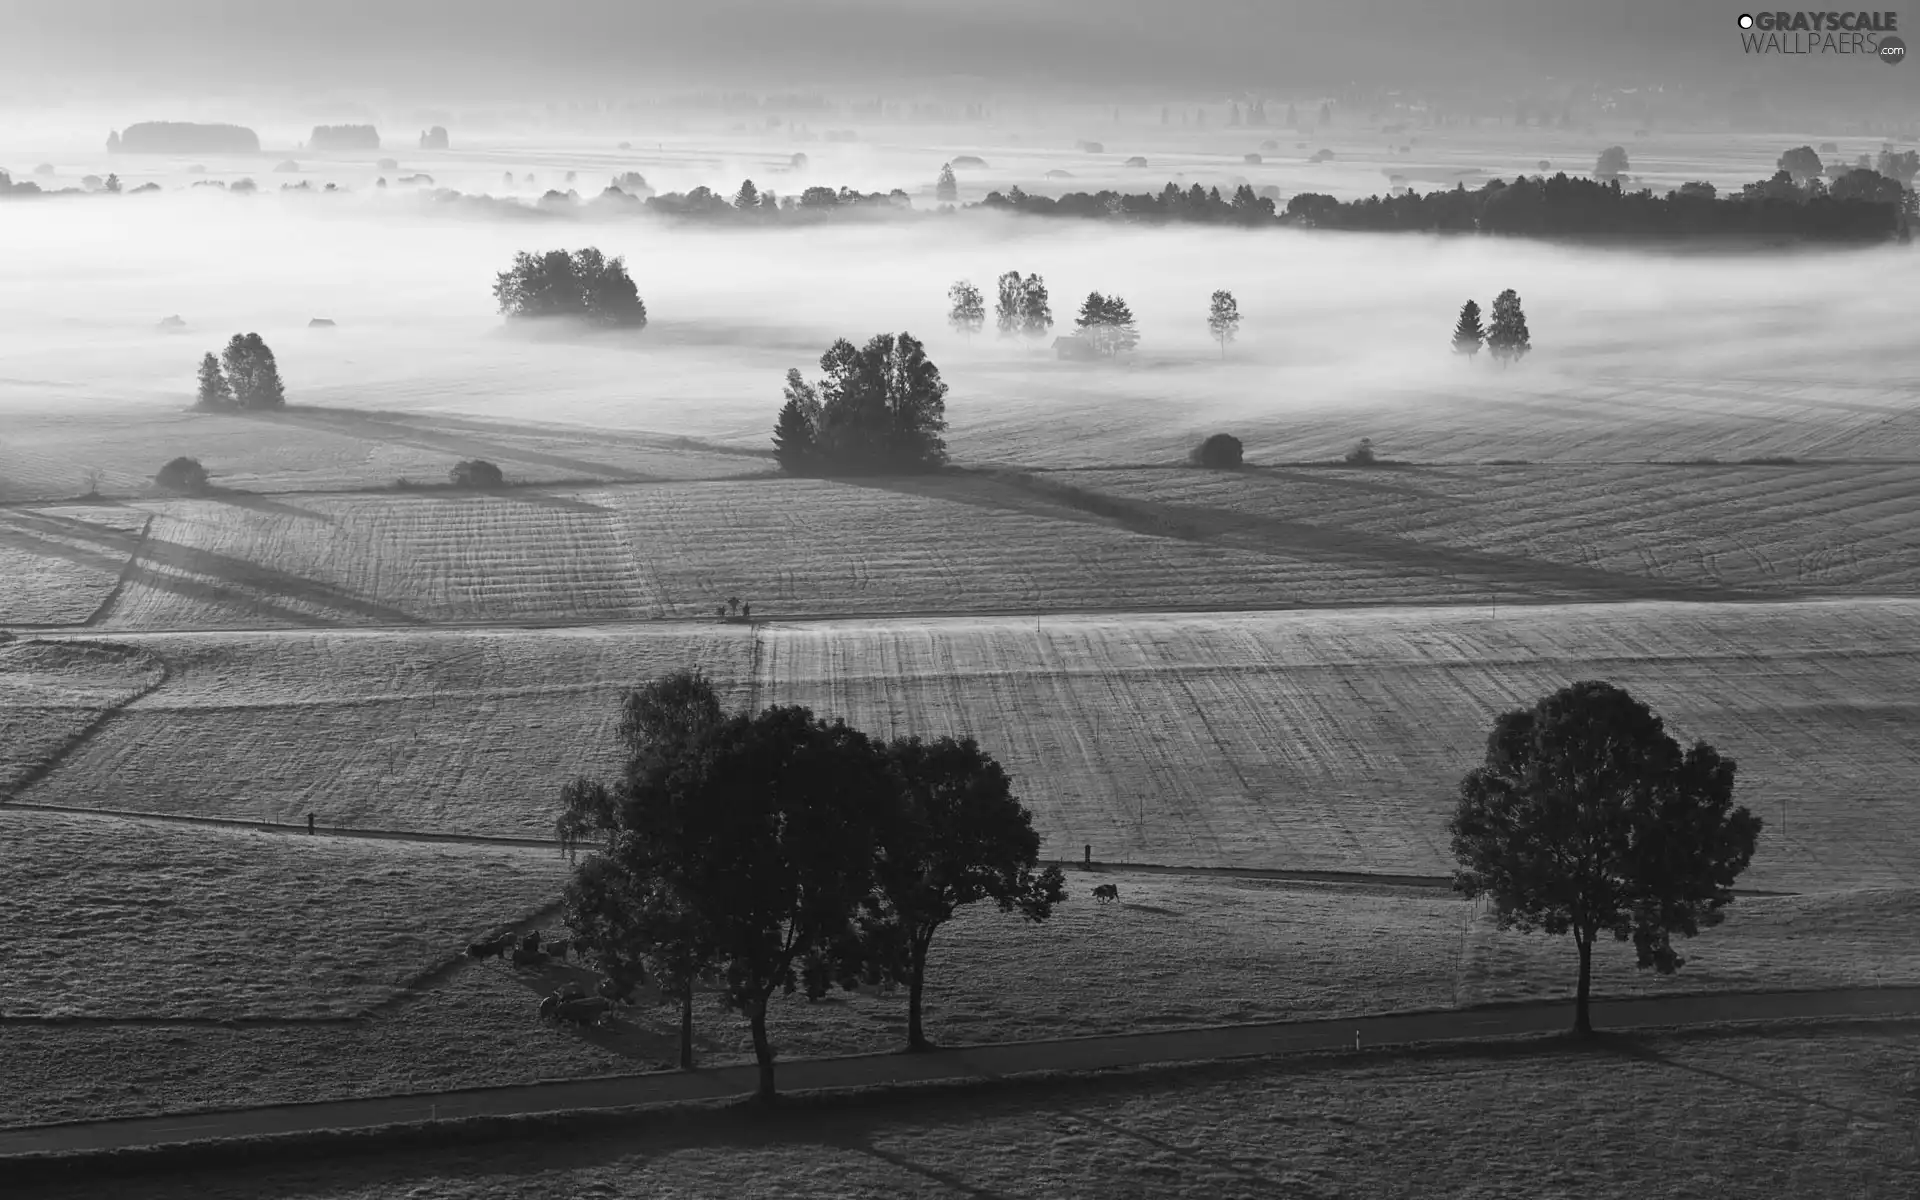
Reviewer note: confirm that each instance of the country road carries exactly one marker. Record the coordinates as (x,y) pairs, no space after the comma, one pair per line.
(956,1065)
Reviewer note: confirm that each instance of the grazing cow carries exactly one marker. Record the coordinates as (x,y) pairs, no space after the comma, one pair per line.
(493,949)
(559,947)
(523,957)
(1106,893)
(531,942)
(615,990)
(549,1006)
(589,1011)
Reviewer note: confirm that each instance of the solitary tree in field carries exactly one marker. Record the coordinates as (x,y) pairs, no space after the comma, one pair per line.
(968,314)
(1107,322)
(1223,319)
(1507,338)
(1611,164)
(947,189)
(1467,333)
(252,373)
(1588,818)
(215,391)
(954,835)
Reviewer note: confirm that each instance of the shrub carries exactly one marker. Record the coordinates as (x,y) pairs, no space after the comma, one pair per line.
(1220,450)
(477,473)
(183,475)
(1362,453)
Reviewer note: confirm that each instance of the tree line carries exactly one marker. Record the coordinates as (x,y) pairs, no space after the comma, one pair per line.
(771,852)
(1104,322)
(1861,205)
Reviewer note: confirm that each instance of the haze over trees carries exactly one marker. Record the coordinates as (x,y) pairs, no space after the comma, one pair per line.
(1508,340)
(1803,164)
(1611,164)
(1587,818)
(879,409)
(585,285)
(968,311)
(1023,307)
(1107,324)
(1467,331)
(947,188)
(1223,319)
(183,137)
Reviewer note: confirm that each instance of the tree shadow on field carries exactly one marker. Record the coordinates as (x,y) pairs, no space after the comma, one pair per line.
(253,502)
(541,499)
(41,536)
(1626,1046)
(1015,491)
(1150,908)
(203,575)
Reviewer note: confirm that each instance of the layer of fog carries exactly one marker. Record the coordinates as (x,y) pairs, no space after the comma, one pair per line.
(1332,323)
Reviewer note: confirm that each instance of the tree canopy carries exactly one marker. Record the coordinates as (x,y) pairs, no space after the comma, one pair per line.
(1507,338)
(251,374)
(1587,817)
(585,285)
(968,311)
(879,408)
(1107,322)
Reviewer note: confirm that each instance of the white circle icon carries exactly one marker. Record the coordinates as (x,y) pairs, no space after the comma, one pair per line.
(1746,21)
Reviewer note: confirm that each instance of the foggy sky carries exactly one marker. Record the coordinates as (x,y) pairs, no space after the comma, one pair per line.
(848,43)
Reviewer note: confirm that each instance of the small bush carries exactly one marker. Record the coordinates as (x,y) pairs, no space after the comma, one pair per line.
(183,475)
(476,473)
(1220,450)
(1362,453)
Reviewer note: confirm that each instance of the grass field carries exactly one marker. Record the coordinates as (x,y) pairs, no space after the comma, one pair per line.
(1796,1113)
(52,692)
(1058,541)
(241,937)
(113,919)
(1313,740)
(61,564)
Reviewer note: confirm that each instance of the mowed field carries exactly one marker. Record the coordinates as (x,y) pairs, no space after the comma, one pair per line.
(53,693)
(240,966)
(1800,1113)
(1292,740)
(999,541)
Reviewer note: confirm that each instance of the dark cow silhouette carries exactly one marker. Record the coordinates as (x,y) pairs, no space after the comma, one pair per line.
(1107,893)
(490,949)
(531,941)
(589,1011)
(523,957)
(549,1007)
(559,947)
(621,992)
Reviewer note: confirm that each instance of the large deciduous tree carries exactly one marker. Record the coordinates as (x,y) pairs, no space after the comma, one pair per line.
(252,373)
(585,285)
(955,835)
(1611,164)
(1803,163)
(1008,306)
(1588,818)
(1508,339)
(968,311)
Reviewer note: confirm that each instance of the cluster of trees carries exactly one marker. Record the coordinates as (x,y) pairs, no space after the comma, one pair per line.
(183,137)
(1507,340)
(1195,204)
(1107,324)
(774,851)
(585,285)
(1023,307)
(1804,165)
(1861,205)
(245,376)
(879,409)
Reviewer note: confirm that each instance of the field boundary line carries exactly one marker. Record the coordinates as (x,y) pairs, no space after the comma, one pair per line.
(80,737)
(283,827)
(127,569)
(105,1142)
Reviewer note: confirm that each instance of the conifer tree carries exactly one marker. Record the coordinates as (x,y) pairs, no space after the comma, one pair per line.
(1468,334)
(747,197)
(215,392)
(1507,338)
(947,190)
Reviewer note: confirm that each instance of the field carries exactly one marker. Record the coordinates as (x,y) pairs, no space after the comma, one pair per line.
(1307,740)
(1053,541)
(54,693)
(338,958)
(1794,1113)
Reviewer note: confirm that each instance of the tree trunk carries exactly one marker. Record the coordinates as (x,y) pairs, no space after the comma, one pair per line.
(1582,1022)
(916,1036)
(762,1049)
(686,1025)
